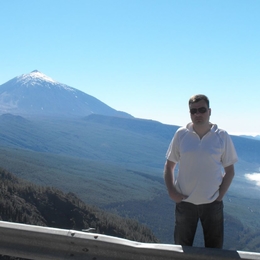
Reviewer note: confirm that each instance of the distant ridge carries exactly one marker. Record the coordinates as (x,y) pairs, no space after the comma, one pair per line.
(142,126)
(36,94)
(256,137)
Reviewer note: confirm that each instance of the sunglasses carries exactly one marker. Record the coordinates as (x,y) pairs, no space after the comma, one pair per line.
(200,110)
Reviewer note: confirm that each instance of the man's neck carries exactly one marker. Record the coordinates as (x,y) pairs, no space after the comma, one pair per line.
(201,130)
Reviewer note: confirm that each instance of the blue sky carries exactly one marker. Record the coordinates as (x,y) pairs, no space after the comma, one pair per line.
(144,57)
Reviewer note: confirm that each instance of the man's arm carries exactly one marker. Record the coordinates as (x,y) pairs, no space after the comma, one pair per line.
(227,179)
(169,180)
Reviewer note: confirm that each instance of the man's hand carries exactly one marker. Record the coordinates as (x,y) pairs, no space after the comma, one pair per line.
(176,196)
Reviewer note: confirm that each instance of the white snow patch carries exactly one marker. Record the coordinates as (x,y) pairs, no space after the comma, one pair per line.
(36,78)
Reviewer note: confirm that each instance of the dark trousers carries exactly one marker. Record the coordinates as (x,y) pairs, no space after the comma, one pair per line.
(187,216)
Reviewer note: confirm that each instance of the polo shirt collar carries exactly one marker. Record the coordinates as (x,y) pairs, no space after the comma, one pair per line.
(189,126)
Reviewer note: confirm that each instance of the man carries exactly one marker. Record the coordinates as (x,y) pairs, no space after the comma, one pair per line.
(202,152)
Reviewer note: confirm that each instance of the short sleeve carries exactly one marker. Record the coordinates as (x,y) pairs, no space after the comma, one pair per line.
(229,155)
(173,153)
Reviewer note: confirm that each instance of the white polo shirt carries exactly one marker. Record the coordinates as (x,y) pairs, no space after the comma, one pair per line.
(200,162)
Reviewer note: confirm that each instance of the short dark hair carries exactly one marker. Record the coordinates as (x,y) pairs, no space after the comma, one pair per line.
(197,98)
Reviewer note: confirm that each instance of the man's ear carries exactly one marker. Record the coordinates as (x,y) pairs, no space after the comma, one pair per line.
(209,111)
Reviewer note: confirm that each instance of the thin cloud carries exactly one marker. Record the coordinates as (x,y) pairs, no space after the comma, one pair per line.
(253,177)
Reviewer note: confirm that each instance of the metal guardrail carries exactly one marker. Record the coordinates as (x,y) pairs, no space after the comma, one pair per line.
(44,243)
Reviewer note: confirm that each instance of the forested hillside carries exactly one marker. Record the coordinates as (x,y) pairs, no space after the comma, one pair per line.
(23,202)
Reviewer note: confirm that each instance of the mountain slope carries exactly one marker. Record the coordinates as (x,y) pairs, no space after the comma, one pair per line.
(90,138)
(36,94)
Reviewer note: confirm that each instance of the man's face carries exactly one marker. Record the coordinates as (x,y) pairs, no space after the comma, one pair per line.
(199,113)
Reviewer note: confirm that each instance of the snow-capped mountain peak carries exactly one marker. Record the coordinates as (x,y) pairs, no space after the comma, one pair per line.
(38,78)
(35,76)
